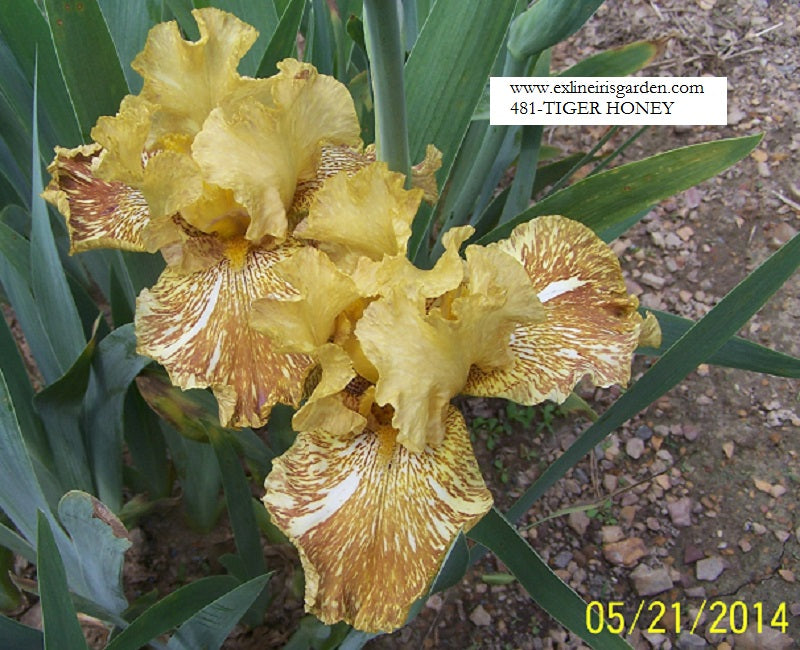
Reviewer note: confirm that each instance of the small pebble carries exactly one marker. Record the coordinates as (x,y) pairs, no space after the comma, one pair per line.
(692,553)
(611,534)
(649,582)
(688,641)
(764,486)
(626,552)
(777,491)
(562,559)
(610,482)
(634,448)
(480,617)
(680,512)
(653,280)
(690,432)
(709,568)
(579,522)
(696,592)
(769,639)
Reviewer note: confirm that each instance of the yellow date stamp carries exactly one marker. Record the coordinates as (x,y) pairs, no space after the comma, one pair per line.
(659,617)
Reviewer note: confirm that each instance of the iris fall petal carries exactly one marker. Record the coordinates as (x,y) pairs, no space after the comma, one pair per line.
(371,520)
(591,325)
(194,325)
(99,214)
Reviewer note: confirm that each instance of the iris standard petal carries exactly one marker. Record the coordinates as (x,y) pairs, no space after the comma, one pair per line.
(371,520)
(99,214)
(261,152)
(124,139)
(195,325)
(186,79)
(591,325)
(420,362)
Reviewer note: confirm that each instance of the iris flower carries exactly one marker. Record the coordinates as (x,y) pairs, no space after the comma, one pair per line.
(214,170)
(287,276)
(382,476)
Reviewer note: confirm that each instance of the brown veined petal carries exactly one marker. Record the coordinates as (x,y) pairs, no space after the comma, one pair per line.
(187,80)
(99,214)
(195,325)
(591,325)
(371,520)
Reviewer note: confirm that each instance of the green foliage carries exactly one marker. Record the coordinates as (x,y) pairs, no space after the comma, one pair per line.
(87,58)
(83,449)
(547,589)
(546,23)
(209,627)
(603,200)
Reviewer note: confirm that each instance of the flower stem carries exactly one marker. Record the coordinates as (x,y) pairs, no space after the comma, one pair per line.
(383,35)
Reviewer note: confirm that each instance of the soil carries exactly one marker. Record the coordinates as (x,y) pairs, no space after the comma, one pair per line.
(692,502)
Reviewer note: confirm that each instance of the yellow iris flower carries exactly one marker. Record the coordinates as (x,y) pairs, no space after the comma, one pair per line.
(382,477)
(287,272)
(214,170)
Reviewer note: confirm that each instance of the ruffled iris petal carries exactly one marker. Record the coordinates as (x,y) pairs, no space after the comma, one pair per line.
(305,321)
(189,79)
(194,324)
(366,214)
(99,214)
(371,520)
(262,151)
(124,139)
(332,161)
(420,362)
(591,325)
(423,344)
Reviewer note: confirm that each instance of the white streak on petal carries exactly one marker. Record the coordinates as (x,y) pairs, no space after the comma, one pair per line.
(330,505)
(200,324)
(555,289)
